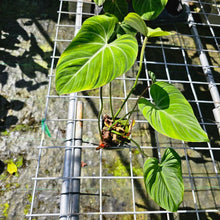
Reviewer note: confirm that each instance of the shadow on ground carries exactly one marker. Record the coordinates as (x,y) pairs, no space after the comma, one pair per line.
(20,50)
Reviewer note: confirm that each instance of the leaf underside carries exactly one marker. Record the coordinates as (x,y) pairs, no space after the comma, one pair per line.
(90,61)
(163,181)
(171,114)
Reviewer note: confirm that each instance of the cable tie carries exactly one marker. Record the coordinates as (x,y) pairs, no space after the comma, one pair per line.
(45,127)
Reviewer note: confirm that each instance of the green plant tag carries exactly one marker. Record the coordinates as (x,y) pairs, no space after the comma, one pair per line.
(45,127)
(163,181)
(149,9)
(171,114)
(91,61)
(11,168)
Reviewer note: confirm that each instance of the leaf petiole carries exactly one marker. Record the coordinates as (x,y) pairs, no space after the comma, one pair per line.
(132,140)
(100,112)
(137,77)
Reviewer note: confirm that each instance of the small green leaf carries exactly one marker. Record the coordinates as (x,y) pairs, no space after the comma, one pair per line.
(136,22)
(171,114)
(99,2)
(119,8)
(27,209)
(5,210)
(3,176)
(91,61)
(157,32)
(163,181)
(149,9)
(12,168)
(152,76)
(19,162)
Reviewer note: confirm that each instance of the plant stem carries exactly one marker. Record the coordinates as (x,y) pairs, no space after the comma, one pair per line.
(138,146)
(110,101)
(138,74)
(118,120)
(133,109)
(132,140)
(100,112)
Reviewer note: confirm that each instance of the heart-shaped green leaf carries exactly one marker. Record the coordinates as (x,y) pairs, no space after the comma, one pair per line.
(136,22)
(149,9)
(119,8)
(171,114)
(91,61)
(163,181)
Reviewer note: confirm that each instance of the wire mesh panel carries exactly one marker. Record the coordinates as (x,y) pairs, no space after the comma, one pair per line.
(111,181)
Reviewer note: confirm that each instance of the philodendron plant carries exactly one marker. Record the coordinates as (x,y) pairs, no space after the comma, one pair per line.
(105,48)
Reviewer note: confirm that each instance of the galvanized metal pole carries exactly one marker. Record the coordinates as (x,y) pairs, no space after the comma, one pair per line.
(206,68)
(70,162)
(74,206)
(210,79)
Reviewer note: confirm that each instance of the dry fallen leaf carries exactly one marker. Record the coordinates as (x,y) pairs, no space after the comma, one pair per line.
(12,168)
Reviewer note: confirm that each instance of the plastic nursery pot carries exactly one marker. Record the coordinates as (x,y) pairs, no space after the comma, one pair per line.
(114,133)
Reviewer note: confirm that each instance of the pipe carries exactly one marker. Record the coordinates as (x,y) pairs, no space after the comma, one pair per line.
(74,207)
(70,161)
(206,68)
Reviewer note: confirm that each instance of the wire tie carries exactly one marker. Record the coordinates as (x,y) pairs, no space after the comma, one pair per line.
(45,127)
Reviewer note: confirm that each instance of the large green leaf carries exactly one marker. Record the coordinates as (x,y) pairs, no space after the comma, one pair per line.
(149,9)
(171,114)
(163,181)
(136,22)
(117,7)
(90,61)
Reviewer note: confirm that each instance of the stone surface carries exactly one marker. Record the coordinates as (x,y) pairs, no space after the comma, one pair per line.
(27,30)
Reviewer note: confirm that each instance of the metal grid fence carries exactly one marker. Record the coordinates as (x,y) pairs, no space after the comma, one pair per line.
(111,185)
